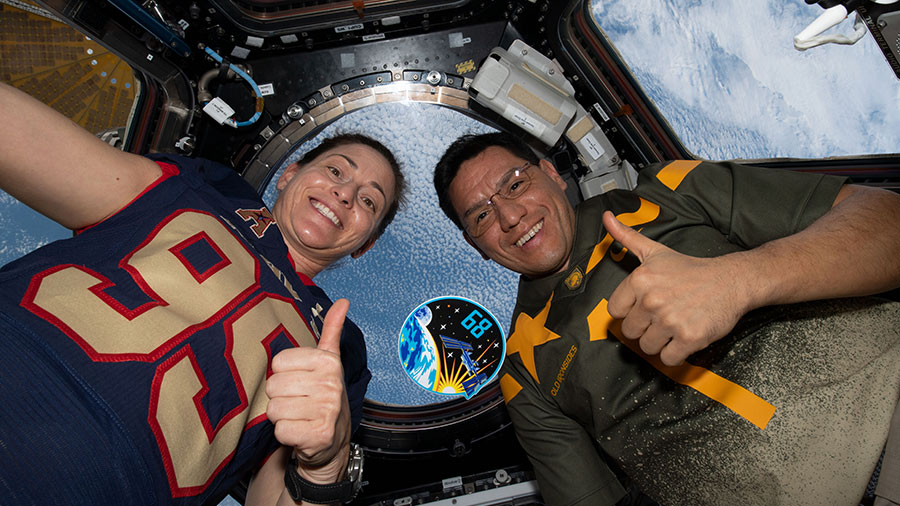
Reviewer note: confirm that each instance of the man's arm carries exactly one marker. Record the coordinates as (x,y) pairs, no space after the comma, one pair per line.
(851,250)
(676,304)
(59,169)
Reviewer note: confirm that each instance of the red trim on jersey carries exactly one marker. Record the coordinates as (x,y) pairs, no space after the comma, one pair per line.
(168,170)
(28,301)
(202,236)
(177,491)
(241,409)
(303,277)
(266,458)
(306,279)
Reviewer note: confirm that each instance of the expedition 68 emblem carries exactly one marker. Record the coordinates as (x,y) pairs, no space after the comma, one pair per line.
(451,346)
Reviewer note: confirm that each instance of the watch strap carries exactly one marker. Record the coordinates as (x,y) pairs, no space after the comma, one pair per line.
(341,492)
(302,489)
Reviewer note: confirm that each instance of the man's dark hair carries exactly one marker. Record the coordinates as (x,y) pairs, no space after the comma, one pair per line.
(399,178)
(465,148)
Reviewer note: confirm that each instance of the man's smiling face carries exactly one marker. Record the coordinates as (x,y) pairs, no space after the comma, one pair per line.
(531,234)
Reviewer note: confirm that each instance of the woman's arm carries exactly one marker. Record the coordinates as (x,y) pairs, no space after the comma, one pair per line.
(59,169)
(267,486)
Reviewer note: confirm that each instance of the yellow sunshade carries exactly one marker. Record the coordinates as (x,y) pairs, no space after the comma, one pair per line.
(61,67)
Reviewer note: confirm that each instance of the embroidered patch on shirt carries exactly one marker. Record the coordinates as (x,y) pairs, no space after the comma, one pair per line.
(262,219)
(573,281)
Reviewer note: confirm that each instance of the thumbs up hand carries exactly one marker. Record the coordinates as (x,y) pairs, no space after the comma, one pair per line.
(307,400)
(672,303)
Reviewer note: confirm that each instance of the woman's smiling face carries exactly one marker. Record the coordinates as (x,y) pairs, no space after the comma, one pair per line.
(332,205)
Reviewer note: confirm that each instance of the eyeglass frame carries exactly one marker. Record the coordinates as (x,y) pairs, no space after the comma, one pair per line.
(489,202)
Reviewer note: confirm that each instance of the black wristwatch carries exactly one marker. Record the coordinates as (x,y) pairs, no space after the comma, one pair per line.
(340,492)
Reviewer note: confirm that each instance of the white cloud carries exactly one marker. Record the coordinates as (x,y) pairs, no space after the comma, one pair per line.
(421,255)
(727,77)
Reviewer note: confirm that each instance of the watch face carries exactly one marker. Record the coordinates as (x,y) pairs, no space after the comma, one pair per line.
(451,346)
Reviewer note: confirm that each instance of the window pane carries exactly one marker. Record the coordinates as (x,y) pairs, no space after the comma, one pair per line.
(726,76)
(421,255)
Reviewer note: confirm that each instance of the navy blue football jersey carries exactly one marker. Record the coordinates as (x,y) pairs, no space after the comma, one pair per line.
(133,356)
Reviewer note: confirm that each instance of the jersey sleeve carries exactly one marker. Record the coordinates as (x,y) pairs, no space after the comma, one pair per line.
(569,469)
(750,205)
(225,180)
(356,371)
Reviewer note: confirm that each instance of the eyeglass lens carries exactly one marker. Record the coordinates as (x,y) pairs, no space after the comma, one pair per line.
(516,184)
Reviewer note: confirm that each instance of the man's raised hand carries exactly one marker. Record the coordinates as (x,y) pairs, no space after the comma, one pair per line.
(672,303)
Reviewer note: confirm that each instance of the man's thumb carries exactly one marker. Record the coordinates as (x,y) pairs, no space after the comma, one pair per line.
(639,245)
(331,329)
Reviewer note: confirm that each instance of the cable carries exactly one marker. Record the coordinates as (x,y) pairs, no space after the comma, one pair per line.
(246,77)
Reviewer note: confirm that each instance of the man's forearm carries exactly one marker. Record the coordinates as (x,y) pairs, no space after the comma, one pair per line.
(852,250)
(676,305)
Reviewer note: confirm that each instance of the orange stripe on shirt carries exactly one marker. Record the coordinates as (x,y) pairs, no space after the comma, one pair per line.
(673,174)
(645,214)
(509,387)
(745,403)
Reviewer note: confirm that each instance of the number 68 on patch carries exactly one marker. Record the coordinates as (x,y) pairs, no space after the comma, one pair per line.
(451,346)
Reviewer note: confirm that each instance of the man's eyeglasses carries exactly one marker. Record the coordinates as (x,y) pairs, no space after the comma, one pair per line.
(512,185)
